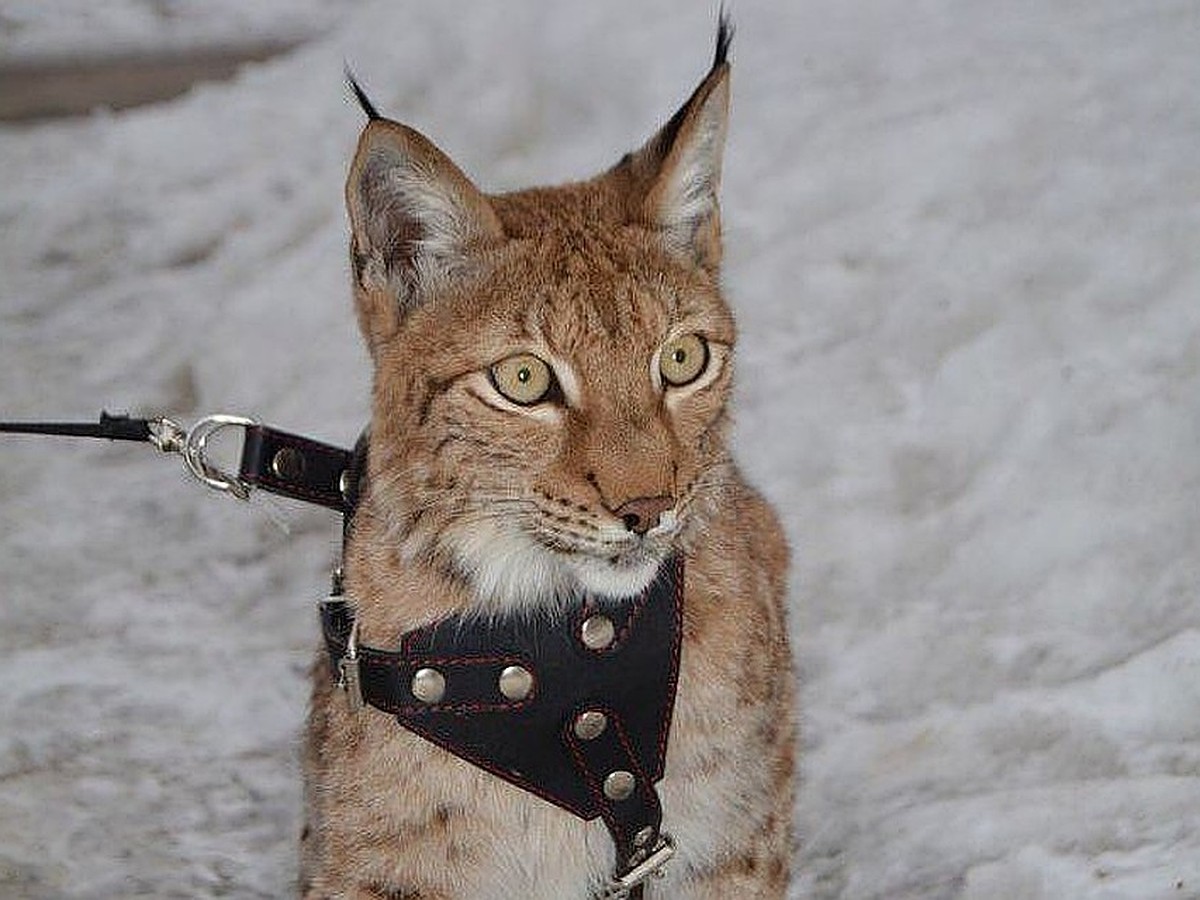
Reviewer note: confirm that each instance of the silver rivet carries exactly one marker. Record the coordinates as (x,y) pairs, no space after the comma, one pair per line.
(619,785)
(597,632)
(344,485)
(590,725)
(644,837)
(429,685)
(516,682)
(288,464)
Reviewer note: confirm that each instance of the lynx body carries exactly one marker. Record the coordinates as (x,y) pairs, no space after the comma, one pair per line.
(552,373)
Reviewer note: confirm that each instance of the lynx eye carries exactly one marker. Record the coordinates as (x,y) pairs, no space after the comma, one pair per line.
(524,379)
(682,360)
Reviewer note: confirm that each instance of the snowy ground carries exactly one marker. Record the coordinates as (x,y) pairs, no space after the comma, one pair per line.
(37,29)
(963,243)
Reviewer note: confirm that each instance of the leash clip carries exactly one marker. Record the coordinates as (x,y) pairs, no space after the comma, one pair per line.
(192,444)
(166,435)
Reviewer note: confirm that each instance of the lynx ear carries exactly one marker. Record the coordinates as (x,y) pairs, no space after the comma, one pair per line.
(415,221)
(677,174)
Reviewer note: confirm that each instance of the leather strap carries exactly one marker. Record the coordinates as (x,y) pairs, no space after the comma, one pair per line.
(298,467)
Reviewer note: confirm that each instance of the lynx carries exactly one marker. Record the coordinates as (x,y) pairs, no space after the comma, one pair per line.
(552,378)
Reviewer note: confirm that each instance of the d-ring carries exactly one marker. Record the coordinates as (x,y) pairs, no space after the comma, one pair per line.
(195,444)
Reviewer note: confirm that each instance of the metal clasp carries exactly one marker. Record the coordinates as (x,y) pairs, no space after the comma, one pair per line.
(349,679)
(167,435)
(653,865)
(171,437)
(199,465)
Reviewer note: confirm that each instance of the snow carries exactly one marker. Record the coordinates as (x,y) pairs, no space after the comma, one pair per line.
(962,243)
(82,29)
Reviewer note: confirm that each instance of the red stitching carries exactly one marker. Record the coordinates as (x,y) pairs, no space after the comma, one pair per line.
(608,808)
(676,654)
(330,498)
(274,441)
(470,663)
(418,661)
(465,706)
(590,607)
(646,786)
(589,780)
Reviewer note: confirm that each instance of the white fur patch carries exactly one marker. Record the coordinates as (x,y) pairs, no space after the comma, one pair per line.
(507,568)
(567,380)
(598,576)
(691,188)
(429,201)
(510,569)
(406,197)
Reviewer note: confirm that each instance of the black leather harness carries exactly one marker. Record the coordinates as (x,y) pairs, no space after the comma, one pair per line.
(574,707)
(544,739)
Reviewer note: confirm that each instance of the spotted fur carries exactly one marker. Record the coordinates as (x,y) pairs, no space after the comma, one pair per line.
(476,503)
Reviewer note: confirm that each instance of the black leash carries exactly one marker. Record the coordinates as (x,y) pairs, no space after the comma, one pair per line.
(275,461)
(113,428)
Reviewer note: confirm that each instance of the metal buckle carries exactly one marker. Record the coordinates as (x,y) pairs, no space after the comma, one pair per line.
(171,437)
(349,675)
(349,680)
(620,886)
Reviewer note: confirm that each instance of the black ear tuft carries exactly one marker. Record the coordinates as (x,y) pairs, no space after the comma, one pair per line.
(725,31)
(363,100)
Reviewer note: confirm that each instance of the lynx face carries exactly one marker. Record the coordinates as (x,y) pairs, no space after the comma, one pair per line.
(551,366)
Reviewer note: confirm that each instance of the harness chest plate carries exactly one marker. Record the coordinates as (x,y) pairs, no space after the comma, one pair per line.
(574,707)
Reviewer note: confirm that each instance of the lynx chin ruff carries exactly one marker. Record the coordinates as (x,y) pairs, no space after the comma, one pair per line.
(552,374)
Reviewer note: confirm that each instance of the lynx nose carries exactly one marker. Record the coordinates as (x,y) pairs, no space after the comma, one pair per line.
(643,513)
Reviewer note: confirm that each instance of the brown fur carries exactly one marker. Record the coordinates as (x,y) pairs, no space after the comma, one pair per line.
(593,278)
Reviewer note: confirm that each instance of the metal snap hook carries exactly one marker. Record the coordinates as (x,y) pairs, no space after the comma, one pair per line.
(195,445)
